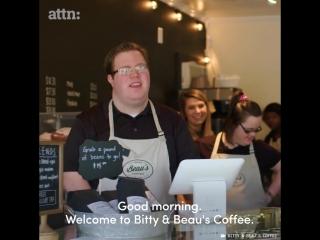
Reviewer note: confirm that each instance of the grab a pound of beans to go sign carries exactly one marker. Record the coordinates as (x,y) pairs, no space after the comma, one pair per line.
(101,159)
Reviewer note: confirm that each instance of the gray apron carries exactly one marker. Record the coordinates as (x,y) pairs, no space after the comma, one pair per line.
(247,191)
(150,155)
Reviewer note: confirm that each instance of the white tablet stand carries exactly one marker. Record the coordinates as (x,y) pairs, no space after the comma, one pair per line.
(210,196)
(208,180)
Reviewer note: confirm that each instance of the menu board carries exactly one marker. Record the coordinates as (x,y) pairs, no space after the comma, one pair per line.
(60,95)
(50,177)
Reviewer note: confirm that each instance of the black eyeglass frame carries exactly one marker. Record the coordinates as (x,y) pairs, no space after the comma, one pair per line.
(250,131)
(113,73)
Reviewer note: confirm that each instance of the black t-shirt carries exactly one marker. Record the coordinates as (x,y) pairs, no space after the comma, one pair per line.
(94,124)
(267,157)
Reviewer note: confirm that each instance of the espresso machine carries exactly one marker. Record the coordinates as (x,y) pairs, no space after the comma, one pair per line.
(217,118)
(221,100)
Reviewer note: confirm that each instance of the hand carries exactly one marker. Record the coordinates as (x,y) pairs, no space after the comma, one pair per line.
(268,196)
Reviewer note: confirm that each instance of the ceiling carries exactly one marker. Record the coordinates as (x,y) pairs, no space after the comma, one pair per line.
(206,9)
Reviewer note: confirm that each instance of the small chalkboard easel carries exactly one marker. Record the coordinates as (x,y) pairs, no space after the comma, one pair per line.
(50,185)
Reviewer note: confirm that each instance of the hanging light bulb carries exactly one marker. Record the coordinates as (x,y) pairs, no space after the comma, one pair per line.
(153,4)
(272,2)
(178,15)
(199,26)
(206,59)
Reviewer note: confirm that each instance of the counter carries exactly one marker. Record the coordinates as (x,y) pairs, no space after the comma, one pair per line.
(266,225)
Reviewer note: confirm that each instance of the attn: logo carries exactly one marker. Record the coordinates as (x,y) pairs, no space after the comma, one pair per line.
(63,14)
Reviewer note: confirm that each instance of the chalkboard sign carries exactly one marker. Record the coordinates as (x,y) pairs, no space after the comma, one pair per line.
(50,177)
(101,159)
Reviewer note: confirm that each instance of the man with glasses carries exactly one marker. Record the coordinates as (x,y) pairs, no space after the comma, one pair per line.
(155,135)
(237,140)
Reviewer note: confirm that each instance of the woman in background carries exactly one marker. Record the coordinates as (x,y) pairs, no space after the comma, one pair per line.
(194,109)
(272,117)
(237,140)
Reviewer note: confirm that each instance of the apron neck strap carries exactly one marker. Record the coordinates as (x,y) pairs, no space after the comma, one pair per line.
(111,119)
(154,114)
(216,144)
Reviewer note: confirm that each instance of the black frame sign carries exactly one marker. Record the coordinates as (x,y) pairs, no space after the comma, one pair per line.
(50,177)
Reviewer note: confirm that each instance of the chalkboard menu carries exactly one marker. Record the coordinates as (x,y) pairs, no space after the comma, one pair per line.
(72,52)
(50,177)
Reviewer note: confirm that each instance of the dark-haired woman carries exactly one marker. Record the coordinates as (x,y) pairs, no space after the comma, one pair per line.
(272,117)
(237,140)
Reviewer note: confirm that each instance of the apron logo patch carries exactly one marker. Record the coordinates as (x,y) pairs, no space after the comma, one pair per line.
(138,169)
(239,180)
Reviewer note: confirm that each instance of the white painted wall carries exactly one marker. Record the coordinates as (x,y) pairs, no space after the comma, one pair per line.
(250,48)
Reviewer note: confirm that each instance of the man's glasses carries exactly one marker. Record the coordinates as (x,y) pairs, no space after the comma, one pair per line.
(128,70)
(250,131)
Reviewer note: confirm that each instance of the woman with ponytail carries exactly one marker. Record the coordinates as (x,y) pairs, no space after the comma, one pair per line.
(237,140)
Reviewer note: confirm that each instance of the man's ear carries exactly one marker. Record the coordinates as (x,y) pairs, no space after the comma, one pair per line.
(110,79)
